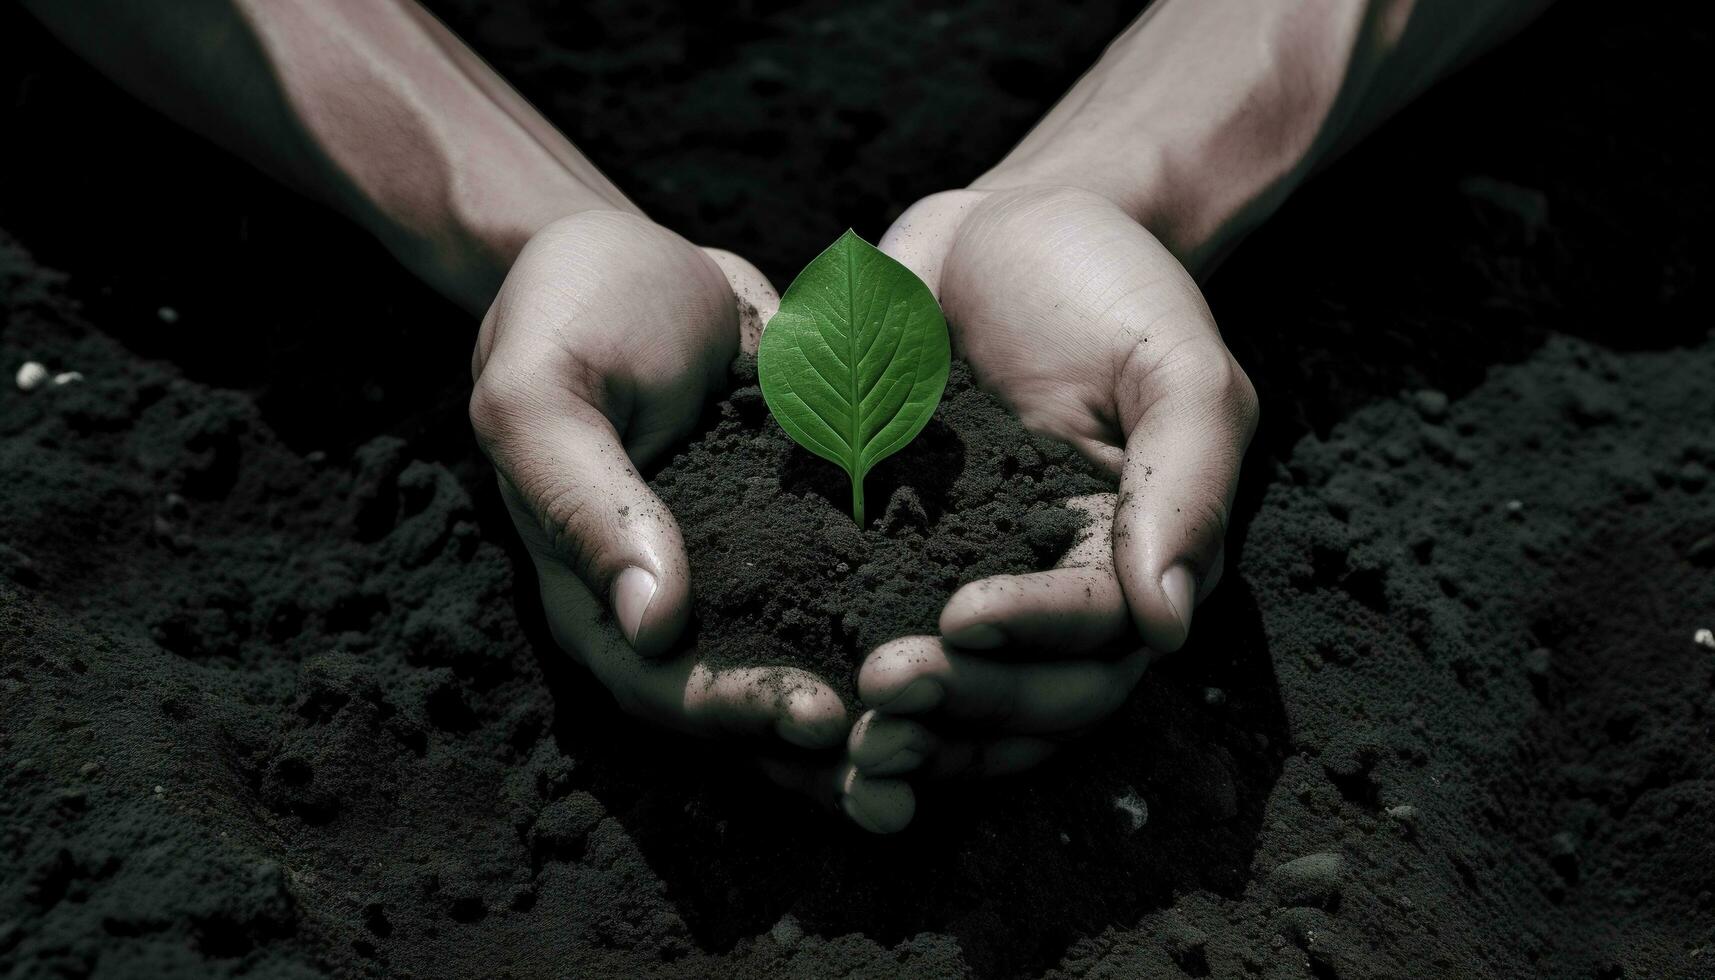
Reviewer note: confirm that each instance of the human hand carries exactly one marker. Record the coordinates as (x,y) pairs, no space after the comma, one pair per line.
(598,353)
(1078,319)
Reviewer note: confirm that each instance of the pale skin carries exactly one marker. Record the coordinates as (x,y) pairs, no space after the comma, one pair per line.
(1068,274)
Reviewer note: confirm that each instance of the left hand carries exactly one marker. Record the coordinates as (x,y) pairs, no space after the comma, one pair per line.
(1087,327)
(598,354)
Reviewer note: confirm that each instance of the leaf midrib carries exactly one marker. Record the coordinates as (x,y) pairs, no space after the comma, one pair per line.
(853,372)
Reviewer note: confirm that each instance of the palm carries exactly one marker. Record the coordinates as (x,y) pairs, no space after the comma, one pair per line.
(1059,303)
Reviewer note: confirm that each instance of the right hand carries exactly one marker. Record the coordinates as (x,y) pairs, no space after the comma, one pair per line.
(597,354)
(1077,318)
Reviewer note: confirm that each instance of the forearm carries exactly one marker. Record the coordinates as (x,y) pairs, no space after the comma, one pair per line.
(372,107)
(1205,114)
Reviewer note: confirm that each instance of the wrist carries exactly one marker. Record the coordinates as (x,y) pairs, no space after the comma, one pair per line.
(466,249)
(1203,116)
(1146,187)
(1198,194)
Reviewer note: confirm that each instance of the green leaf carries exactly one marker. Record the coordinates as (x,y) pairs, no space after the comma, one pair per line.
(855,362)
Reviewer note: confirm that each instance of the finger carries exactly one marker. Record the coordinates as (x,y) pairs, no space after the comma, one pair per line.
(683,692)
(577,499)
(920,238)
(792,703)
(1004,756)
(1213,577)
(1189,416)
(1100,452)
(880,806)
(920,676)
(1063,610)
(1074,608)
(757,298)
(887,745)
(823,782)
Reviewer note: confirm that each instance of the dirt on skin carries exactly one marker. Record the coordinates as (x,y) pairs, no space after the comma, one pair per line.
(276,699)
(782,574)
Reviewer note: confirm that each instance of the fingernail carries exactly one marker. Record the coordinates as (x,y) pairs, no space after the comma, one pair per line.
(977,636)
(920,695)
(632,591)
(1181,589)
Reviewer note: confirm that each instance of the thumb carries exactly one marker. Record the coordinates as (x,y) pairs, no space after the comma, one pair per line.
(921,237)
(1193,414)
(577,500)
(757,298)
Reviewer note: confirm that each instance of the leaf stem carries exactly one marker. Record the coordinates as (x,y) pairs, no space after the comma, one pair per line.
(857,501)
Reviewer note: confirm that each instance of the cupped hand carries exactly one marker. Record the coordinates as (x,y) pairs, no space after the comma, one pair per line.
(598,353)
(1088,328)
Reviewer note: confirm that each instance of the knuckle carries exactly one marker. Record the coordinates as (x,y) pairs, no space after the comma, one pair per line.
(1207,363)
(1240,390)
(1204,529)
(1210,370)
(564,514)
(494,410)
(1240,397)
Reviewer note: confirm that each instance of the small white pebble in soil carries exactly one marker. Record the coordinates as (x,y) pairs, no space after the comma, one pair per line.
(1214,696)
(1704,638)
(30,375)
(1538,661)
(167,314)
(67,377)
(1134,807)
(1515,506)
(1404,817)
(787,932)
(159,790)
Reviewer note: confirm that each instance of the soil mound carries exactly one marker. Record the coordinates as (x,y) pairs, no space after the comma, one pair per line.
(781,573)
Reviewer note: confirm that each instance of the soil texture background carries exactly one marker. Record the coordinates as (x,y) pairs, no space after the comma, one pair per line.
(276,699)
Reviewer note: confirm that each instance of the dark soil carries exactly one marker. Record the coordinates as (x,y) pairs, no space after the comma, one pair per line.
(782,574)
(276,698)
